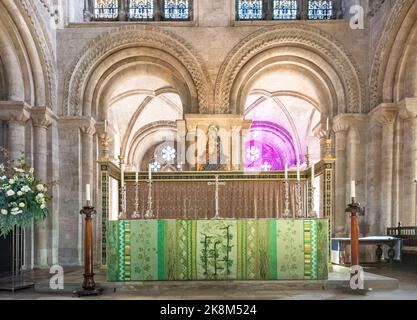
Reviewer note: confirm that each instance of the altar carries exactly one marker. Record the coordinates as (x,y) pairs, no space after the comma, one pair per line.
(229,249)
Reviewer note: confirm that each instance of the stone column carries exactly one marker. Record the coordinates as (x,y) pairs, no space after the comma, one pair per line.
(340,129)
(87,148)
(384,116)
(16,135)
(408,113)
(41,120)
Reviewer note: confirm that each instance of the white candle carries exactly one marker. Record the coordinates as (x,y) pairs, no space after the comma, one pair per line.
(298,171)
(353,189)
(88,192)
(312,174)
(105,126)
(137,175)
(327,125)
(150,172)
(286,171)
(122,174)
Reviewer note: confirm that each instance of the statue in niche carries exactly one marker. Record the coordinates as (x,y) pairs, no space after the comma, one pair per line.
(213,150)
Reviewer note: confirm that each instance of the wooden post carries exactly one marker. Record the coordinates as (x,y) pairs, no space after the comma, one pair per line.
(89,286)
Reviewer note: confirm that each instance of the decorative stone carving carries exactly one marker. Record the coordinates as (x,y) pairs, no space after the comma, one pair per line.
(42,117)
(384,114)
(137,35)
(383,49)
(298,35)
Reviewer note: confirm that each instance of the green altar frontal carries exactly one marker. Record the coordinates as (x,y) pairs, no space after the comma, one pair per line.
(266,249)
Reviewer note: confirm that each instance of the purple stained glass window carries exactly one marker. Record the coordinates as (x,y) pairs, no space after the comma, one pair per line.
(269,147)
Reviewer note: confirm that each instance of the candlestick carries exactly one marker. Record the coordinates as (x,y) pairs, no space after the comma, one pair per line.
(327,124)
(137,175)
(122,174)
(353,189)
(150,172)
(88,193)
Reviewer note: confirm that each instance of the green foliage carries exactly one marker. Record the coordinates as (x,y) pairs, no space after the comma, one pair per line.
(23,197)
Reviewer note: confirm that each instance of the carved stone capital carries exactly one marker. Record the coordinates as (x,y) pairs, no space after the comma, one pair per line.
(383,115)
(42,117)
(344,121)
(408,108)
(17,112)
(85,124)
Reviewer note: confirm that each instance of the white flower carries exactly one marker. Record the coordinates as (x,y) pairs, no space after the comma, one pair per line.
(15,211)
(31,170)
(11,181)
(20,193)
(19,170)
(25,189)
(22,205)
(3,178)
(43,206)
(4,212)
(10,193)
(40,187)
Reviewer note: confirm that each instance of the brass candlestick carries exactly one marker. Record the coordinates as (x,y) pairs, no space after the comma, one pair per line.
(287,212)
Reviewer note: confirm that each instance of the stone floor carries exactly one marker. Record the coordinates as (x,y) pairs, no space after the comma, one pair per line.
(388,282)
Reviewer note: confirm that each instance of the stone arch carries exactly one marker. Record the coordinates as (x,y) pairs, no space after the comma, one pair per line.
(28,62)
(129,37)
(389,49)
(144,139)
(297,37)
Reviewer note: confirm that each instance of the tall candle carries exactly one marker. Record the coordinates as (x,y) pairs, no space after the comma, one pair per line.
(298,171)
(286,171)
(327,124)
(150,172)
(353,189)
(122,174)
(88,192)
(105,126)
(137,174)
(312,174)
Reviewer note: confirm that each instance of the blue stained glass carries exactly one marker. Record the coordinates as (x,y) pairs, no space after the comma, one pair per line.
(320,9)
(106,9)
(250,9)
(285,9)
(177,9)
(141,9)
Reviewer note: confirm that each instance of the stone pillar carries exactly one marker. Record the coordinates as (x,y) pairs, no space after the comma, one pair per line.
(340,129)
(408,113)
(16,136)
(87,150)
(384,116)
(41,121)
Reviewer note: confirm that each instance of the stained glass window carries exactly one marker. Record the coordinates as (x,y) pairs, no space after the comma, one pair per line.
(285,9)
(250,9)
(106,9)
(320,9)
(177,9)
(141,9)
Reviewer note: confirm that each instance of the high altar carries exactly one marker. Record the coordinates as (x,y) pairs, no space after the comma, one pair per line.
(179,226)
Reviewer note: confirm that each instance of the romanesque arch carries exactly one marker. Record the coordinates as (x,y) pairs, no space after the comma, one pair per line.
(389,50)
(311,47)
(27,55)
(85,71)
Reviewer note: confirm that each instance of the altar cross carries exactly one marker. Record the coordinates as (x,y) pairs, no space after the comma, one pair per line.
(216,183)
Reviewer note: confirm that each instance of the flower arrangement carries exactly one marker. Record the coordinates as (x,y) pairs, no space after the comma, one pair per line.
(23,197)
